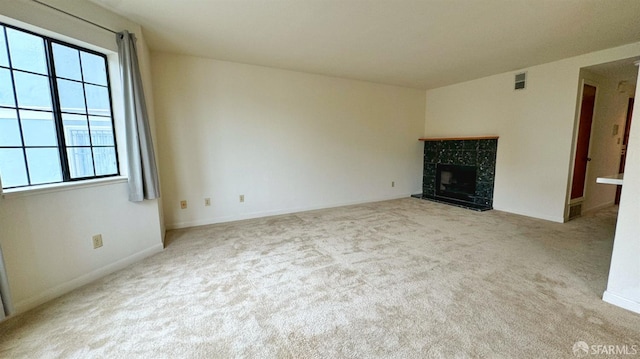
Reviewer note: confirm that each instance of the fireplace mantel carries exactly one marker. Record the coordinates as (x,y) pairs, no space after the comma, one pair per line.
(458,138)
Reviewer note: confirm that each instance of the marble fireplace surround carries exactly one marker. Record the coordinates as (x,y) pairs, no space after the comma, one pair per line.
(463,151)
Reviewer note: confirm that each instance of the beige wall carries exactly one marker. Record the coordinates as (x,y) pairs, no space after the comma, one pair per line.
(46,236)
(623,287)
(288,141)
(535,126)
(610,109)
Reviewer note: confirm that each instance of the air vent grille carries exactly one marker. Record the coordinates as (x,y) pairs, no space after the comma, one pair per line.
(575,211)
(521,81)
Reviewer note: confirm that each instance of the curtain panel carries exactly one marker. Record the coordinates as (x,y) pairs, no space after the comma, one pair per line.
(143,173)
(6,304)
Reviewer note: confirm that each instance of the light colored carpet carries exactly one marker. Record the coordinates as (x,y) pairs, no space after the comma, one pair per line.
(401,279)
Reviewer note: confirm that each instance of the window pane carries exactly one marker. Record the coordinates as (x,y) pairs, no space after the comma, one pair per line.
(12,168)
(76,131)
(94,69)
(27,52)
(101,131)
(44,165)
(67,61)
(38,128)
(71,96)
(98,100)
(4,59)
(6,89)
(33,91)
(80,162)
(105,159)
(9,129)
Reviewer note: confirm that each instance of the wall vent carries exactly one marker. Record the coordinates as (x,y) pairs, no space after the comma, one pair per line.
(521,81)
(575,211)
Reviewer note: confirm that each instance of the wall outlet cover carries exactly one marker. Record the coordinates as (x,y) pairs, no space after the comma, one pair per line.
(97,241)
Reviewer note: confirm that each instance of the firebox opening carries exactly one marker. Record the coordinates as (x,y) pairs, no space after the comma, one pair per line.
(453,181)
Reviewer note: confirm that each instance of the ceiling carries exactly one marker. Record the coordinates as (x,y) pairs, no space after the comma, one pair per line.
(422,44)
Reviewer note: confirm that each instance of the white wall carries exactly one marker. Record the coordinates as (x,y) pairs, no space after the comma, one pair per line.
(288,141)
(623,287)
(610,109)
(46,236)
(536,128)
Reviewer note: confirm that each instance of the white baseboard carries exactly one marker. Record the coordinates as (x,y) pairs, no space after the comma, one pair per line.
(78,282)
(204,222)
(532,215)
(598,207)
(621,302)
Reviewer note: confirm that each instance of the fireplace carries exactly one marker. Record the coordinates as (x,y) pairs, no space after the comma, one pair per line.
(460,171)
(454,181)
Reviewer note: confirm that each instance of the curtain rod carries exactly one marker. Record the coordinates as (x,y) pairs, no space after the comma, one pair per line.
(75,16)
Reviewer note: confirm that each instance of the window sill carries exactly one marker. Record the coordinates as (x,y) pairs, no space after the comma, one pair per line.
(58,187)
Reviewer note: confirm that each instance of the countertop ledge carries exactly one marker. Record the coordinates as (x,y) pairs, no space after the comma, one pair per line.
(615,179)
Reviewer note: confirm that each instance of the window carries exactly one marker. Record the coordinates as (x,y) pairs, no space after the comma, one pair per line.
(56,122)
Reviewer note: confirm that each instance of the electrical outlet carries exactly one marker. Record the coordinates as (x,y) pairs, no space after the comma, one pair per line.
(97,241)
(207,202)
(393,183)
(183,204)
(241,198)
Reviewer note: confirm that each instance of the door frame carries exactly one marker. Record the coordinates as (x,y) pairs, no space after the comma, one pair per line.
(574,143)
(625,136)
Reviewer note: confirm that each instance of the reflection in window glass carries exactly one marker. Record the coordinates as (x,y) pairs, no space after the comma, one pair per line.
(6,89)
(71,96)
(12,168)
(9,128)
(38,128)
(4,59)
(76,131)
(97,100)
(67,61)
(33,91)
(27,52)
(44,165)
(94,69)
(80,162)
(105,159)
(101,131)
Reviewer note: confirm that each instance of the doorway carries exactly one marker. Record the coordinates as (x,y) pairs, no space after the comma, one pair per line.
(582,159)
(582,146)
(598,133)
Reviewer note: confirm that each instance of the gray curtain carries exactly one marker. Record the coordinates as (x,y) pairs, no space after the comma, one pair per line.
(143,174)
(5,294)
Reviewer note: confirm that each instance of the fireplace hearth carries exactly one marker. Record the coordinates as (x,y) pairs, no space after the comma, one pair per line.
(460,171)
